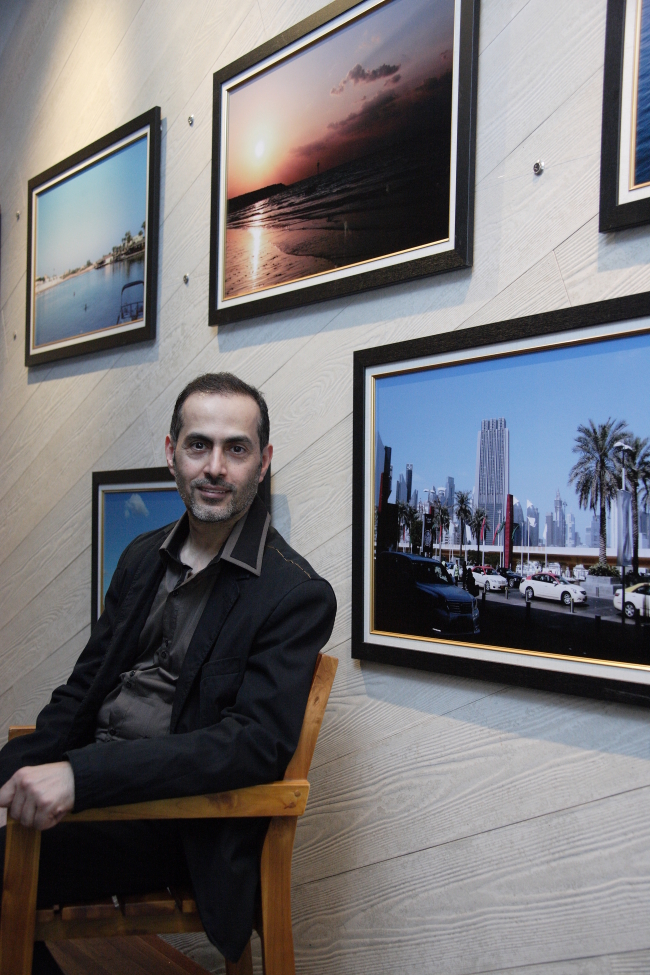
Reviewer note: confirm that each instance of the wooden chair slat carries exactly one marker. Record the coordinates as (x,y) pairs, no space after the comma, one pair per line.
(145,905)
(87,912)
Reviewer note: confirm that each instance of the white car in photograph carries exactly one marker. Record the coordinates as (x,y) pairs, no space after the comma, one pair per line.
(543,585)
(637,600)
(488,578)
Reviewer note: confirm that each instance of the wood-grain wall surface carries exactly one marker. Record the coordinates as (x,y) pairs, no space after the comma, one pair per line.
(454,826)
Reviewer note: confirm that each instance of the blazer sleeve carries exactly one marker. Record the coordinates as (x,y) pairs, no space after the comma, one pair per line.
(254,739)
(47,743)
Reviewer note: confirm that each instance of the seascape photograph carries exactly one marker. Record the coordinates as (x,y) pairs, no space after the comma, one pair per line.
(127,513)
(90,248)
(504,491)
(340,154)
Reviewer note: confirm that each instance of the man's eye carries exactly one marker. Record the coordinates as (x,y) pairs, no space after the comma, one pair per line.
(237,448)
(198,445)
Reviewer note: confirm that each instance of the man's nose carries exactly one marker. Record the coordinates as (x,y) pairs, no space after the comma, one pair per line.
(216,462)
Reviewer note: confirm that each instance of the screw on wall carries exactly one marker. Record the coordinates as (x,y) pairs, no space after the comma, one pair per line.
(186,279)
(17,214)
(538,167)
(190,120)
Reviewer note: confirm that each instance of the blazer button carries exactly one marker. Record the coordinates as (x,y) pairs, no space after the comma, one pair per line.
(128,683)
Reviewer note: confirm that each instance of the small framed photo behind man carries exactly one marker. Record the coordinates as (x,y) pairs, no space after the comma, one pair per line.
(92,246)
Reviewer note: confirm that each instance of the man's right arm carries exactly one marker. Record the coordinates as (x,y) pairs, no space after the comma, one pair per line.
(48,742)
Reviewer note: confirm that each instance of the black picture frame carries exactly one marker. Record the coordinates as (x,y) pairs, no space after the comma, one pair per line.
(617,213)
(577,326)
(458,255)
(140,479)
(142,327)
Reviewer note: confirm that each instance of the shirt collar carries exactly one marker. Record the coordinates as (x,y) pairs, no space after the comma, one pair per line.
(244,546)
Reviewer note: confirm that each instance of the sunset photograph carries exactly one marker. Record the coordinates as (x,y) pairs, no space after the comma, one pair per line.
(340,154)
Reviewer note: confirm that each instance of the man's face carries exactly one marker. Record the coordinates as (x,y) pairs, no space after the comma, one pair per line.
(217,461)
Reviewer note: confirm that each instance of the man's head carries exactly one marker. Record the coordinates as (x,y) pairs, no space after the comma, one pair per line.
(217,447)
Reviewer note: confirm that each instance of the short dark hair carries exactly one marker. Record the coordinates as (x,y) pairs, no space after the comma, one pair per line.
(221,384)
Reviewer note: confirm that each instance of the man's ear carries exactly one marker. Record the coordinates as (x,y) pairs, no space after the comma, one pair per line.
(267,455)
(169,454)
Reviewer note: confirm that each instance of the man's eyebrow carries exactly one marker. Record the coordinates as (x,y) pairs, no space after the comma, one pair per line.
(197,435)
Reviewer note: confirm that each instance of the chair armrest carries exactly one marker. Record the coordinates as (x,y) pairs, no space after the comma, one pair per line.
(286,798)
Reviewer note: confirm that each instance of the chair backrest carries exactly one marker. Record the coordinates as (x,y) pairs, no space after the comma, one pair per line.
(321,686)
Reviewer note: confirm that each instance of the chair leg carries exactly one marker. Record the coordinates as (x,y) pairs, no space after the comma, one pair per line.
(275,886)
(18,919)
(242,967)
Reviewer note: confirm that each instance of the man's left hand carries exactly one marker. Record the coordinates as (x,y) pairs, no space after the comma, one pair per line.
(39,795)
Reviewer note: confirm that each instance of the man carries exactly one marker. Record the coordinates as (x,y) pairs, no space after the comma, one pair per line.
(195,679)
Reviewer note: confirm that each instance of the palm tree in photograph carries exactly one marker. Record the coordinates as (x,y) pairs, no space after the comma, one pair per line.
(595,474)
(479,522)
(407,515)
(464,514)
(440,520)
(637,475)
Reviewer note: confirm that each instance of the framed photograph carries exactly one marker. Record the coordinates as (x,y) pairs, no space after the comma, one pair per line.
(625,151)
(127,504)
(343,155)
(92,246)
(487,518)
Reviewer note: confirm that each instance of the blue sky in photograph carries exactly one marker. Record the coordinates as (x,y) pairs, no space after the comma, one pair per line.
(432,419)
(128,514)
(85,216)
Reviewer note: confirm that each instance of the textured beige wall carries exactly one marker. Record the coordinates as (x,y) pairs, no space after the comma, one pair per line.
(455,826)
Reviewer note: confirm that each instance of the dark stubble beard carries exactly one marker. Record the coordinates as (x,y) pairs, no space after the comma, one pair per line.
(240,498)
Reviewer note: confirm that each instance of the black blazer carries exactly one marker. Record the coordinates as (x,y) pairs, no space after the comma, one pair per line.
(237,714)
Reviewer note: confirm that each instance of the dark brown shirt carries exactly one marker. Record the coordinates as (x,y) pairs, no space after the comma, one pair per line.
(140,706)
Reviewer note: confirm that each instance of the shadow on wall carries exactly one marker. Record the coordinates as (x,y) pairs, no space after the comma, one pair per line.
(281,516)
(515,711)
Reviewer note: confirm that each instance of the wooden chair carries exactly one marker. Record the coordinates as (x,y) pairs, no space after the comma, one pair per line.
(172,912)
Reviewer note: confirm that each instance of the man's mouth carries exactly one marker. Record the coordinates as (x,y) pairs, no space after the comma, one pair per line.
(213,491)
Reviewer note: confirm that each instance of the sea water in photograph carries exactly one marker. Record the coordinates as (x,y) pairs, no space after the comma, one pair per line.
(340,154)
(90,248)
(127,514)
(546,427)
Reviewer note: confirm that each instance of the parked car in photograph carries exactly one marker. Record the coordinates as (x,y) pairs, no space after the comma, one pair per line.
(637,600)
(416,595)
(545,585)
(514,578)
(488,578)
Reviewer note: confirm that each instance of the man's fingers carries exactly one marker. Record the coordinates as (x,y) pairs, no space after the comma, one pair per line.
(7,793)
(27,810)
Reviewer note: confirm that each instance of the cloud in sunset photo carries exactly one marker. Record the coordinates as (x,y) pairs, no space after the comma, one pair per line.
(340,154)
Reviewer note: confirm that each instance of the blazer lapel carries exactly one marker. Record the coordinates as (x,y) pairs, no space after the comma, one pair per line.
(223,597)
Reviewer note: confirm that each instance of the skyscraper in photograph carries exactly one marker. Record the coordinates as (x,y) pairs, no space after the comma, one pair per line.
(379,465)
(571,531)
(450,494)
(532,530)
(414,500)
(492,482)
(409,482)
(549,529)
(559,522)
(400,489)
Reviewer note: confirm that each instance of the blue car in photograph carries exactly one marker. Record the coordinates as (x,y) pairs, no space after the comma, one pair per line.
(416,595)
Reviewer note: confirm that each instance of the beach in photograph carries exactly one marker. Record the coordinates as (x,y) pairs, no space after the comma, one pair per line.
(341,154)
(90,248)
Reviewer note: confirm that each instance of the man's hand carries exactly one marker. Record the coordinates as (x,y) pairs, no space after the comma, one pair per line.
(39,795)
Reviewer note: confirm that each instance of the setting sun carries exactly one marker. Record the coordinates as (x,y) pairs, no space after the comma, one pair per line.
(259,149)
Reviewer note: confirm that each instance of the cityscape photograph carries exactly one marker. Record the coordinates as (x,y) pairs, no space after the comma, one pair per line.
(511,470)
